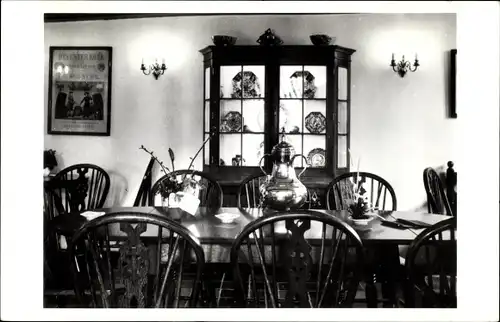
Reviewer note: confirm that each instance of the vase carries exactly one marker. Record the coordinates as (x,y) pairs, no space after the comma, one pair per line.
(165,203)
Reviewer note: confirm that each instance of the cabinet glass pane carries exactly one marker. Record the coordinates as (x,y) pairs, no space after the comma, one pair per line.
(290,116)
(253,115)
(314,150)
(207,116)
(342,82)
(296,141)
(230,147)
(314,78)
(342,118)
(230,116)
(342,151)
(314,117)
(253,149)
(207,83)
(252,81)
(206,150)
(230,87)
(291,81)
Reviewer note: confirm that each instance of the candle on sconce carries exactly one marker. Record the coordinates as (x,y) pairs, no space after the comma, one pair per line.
(163,61)
(392,56)
(143,60)
(416,56)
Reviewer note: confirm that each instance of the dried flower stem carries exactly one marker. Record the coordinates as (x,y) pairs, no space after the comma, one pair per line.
(172,158)
(196,155)
(163,167)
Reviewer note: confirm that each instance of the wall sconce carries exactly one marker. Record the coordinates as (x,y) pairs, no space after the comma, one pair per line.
(156,69)
(404,66)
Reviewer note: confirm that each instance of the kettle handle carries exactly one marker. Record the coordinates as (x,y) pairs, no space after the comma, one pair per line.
(305,168)
(262,169)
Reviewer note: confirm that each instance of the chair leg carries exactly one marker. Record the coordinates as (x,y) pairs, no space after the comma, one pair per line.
(370,292)
(208,292)
(390,274)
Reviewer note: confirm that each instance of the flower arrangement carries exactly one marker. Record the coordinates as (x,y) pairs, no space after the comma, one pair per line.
(359,205)
(172,184)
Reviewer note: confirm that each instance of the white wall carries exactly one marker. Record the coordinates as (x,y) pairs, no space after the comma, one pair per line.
(398,125)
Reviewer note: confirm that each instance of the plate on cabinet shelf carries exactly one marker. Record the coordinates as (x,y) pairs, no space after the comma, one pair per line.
(316,158)
(231,122)
(246,85)
(303,78)
(315,122)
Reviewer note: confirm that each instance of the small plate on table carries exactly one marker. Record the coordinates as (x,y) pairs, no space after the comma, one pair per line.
(361,222)
(227,218)
(90,215)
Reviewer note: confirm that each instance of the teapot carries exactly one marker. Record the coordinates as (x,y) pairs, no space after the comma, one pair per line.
(282,189)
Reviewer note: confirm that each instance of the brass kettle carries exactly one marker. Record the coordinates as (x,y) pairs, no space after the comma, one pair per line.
(282,189)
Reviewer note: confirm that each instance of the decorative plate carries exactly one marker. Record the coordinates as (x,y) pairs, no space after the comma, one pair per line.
(316,157)
(231,122)
(250,87)
(303,77)
(315,122)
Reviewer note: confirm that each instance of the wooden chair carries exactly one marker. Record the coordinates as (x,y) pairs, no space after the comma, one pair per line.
(142,277)
(437,201)
(76,188)
(382,262)
(276,265)
(451,187)
(210,196)
(431,267)
(80,187)
(380,192)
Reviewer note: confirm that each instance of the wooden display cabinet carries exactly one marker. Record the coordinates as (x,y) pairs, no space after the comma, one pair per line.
(253,93)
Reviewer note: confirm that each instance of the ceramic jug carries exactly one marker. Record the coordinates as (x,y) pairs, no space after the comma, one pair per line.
(282,189)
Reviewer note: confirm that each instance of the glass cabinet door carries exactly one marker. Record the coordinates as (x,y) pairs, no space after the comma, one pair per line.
(241,115)
(342,117)
(302,112)
(206,116)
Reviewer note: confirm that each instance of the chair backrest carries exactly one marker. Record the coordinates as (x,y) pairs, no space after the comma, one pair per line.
(248,191)
(131,259)
(142,197)
(431,267)
(437,202)
(80,187)
(380,193)
(210,196)
(303,258)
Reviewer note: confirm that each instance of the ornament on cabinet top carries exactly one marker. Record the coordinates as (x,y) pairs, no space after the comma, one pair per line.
(268,38)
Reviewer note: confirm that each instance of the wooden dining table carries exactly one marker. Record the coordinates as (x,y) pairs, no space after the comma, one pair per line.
(216,237)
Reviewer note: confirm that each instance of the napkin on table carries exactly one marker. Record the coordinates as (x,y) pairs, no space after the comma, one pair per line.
(92,214)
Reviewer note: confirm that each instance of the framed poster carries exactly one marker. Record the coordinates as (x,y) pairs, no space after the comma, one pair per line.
(453,83)
(79,91)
